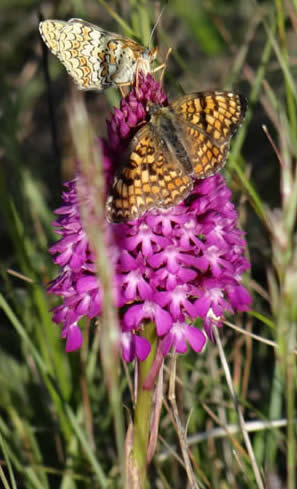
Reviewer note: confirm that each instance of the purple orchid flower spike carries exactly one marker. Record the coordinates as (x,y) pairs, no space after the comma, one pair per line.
(170,266)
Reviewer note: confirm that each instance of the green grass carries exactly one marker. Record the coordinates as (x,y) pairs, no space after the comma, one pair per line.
(62,415)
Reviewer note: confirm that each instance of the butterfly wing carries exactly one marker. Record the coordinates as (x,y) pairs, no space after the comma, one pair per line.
(95,58)
(150,179)
(50,31)
(206,122)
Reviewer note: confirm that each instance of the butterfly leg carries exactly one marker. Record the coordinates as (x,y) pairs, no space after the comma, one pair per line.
(164,66)
(144,69)
(137,78)
(121,88)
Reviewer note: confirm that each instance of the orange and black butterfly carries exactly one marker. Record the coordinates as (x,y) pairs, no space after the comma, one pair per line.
(189,138)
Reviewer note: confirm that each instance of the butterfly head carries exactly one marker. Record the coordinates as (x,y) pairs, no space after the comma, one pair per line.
(152,53)
(153,108)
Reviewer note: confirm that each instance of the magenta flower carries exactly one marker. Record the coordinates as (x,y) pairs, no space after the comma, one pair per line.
(170,266)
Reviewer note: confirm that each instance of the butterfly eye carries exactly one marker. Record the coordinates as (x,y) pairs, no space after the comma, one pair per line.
(152,108)
(149,106)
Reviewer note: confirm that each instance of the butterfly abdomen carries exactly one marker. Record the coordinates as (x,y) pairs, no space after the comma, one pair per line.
(168,131)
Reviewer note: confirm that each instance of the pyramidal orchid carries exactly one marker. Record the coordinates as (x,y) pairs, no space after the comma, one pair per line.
(170,266)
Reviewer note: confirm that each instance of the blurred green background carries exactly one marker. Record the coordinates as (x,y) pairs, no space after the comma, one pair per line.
(56,426)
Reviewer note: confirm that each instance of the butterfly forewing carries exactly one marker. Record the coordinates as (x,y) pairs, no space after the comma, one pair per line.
(50,31)
(206,123)
(81,45)
(150,179)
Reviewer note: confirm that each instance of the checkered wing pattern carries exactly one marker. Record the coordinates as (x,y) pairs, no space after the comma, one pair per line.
(206,121)
(95,58)
(151,178)
(50,31)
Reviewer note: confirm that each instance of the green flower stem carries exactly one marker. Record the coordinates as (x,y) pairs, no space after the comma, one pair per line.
(143,409)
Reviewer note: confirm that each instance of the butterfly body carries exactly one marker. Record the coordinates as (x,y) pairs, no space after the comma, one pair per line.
(95,58)
(168,129)
(189,138)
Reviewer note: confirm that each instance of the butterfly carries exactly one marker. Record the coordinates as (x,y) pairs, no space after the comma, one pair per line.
(96,59)
(189,138)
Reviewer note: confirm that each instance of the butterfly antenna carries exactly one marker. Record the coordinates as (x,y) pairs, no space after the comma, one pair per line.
(155,26)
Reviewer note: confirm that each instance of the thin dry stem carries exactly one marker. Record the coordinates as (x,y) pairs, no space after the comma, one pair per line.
(255,336)
(221,432)
(180,429)
(248,444)
(90,189)
(156,416)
